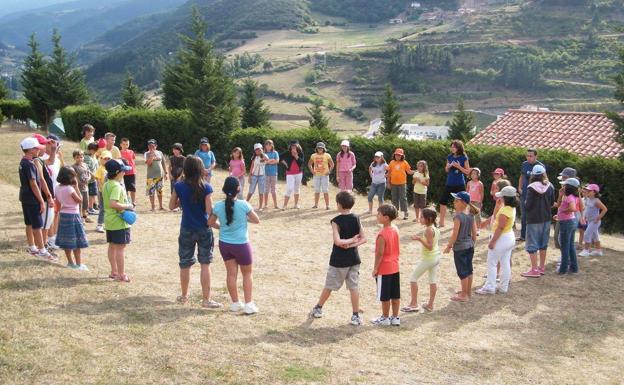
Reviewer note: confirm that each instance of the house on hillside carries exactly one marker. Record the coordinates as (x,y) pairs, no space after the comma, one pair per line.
(415,5)
(396,21)
(411,131)
(582,133)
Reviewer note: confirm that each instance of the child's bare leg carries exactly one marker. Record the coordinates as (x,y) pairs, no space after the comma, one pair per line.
(120,256)
(160,197)
(396,303)
(38,238)
(542,258)
(326,197)
(469,286)
(185,277)
(597,246)
(414,292)
(151,197)
(68,255)
(286,199)
(29,236)
(385,308)
(204,278)
(324,296)
(433,288)
(112,250)
(232,274)
(274,196)
(316,199)
(370,206)
(247,282)
(296,200)
(248,197)
(442,215)
(133,196)
(355,300)
(77,254)
(260,199)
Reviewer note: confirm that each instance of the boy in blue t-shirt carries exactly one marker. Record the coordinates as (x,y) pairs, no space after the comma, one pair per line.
(207,157)
(270,172)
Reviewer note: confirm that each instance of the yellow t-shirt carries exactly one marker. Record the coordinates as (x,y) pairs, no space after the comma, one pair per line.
(420,188)
(398,171)
(510,213)
(320,163)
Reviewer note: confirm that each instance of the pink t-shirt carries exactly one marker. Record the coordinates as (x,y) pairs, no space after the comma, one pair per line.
(63,194)
(237,167)
(475,189)
(567,202)
(345,162)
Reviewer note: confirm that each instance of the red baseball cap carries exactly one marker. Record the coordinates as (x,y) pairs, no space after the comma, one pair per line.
(41,139)
(499,171)
(101,143)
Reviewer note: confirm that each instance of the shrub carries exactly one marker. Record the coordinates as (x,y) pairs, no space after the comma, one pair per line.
(17,109)
(74,117)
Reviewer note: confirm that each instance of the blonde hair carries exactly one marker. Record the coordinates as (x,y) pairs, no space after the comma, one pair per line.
(424,163)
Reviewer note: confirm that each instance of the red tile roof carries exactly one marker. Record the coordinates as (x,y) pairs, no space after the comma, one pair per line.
(583,133)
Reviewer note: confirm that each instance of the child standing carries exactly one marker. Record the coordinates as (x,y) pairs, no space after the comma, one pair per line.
(71,235)
(462,242)
(156,173)
(566,216)
(497,175)
(502,242)
(256,174)
(237,168)
(344,262)
(476,191)
(207,157)
(429,263)
(130,177)
(595,210)
(87,137)
(377,171)
(195,197)
(345,164)
(176,166)
(321,165)
(117,230)
(386,268)
(293,160)
(83,175)
(92,166)
(100,177)
(231,217)
(397,180)
(421,182)
(271,173)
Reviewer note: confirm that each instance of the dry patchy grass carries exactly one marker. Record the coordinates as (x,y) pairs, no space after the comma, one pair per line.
(60,326)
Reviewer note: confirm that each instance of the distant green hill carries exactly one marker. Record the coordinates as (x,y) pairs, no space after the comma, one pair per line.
(360,10)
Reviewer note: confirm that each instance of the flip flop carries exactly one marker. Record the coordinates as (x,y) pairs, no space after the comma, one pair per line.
(427,308)
(457,298)
(409,309)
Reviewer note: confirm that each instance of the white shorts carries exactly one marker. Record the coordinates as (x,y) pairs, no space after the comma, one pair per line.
(48,217)
(293,184)
(321,184)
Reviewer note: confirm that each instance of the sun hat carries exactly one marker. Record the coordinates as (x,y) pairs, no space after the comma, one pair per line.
(477,169)
(571,181)
(567,172)
(321,145)
(345,143)
(379,153)
(230,186)
(106,154)
(592,187)
(204,141)
(114,167)
(499,171)
(152,141)
(399,151)
(178,146)
(257,146)
(128,216)
(508,191)
(538,169)
(462,196)
(30,143)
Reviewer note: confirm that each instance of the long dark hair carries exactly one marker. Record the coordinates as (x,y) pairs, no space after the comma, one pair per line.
(193,176)
(230,188)
(66,176)
(571,190)
(459,145)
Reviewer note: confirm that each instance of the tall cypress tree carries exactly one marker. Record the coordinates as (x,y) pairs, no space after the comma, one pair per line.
(198,81)
(462,126)
(255,113)
(389,113)
(317,119)
(35,84)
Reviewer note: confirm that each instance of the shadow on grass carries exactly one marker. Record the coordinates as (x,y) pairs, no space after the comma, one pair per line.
(47,283)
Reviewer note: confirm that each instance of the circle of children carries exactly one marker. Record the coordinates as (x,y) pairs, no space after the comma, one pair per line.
(57,201)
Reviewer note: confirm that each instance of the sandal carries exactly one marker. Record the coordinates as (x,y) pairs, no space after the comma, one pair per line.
(113,275)
(122,278)
(211,304)
(410,309)
(182,299)
(427,308)
(457,298)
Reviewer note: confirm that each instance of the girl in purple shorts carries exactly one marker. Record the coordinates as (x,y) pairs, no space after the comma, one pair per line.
(231,217)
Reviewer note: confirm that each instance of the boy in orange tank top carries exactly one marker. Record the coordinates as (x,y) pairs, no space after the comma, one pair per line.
(386,269)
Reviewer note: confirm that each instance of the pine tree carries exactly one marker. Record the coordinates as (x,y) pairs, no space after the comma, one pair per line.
(462,126)
(132,96)
(198,81)
(317,119)
(255,113)
(390,113)
(65,84)
(618,119)
(34,80)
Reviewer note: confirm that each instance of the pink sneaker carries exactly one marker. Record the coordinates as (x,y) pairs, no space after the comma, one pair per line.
(533,273)
(541,270)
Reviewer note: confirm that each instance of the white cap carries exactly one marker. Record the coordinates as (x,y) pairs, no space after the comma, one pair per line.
(379,153)
(345,143)
(257,146)
(30,143)
(508,191)
(538,169)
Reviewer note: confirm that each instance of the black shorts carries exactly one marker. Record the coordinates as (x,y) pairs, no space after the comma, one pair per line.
(130,182)
(118,237)
(32,216)
(388,287)
(446,195)
(463,262)
(93,190)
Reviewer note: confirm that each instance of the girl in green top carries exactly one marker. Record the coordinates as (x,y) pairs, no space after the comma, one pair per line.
(429,263)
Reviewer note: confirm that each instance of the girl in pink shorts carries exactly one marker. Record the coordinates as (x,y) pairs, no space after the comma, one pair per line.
(345,164)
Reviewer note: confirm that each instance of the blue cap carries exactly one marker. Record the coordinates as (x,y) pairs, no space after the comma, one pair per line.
(538,169)
(572,182)
(114,167)
(462,195)
(54,137)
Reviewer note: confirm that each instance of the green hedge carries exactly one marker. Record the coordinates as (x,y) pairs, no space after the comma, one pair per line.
(74,117)
(16,109)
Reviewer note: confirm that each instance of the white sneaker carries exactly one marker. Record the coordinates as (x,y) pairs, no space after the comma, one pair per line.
(395,321)
(82,267)
(236,306)
(596,253)
(99,229)
(32,250)
(316,312)
(356,320)
(585,253)
(485,291)
(502,291)
(51,245)
(250,308)
(381,321)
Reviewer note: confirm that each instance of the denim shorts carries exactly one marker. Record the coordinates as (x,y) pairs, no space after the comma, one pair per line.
(257,181)
(188,239)
(537,236)
(378,189)
(463,262)
(93,189)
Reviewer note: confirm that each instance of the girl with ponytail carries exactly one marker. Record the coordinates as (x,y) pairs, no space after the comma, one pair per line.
(231,217)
